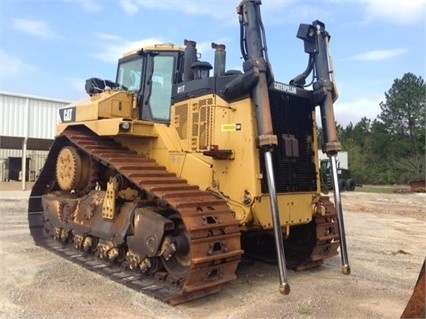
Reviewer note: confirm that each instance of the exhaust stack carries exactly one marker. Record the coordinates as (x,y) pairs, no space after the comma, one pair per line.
(219,59)
(190,59)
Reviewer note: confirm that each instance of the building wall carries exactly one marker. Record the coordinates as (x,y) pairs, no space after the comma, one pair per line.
(24,117)
(28,116)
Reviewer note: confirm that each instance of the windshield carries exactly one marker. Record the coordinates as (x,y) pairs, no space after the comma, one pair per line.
(161,89)
(129,76)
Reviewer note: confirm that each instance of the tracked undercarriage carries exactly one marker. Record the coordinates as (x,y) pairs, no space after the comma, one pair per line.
(122,215)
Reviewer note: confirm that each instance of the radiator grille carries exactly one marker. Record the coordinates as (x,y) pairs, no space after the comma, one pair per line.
(194,123)
(181,120)
(294,171)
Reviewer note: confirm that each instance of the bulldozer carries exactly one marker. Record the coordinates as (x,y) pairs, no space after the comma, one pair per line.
(165,178)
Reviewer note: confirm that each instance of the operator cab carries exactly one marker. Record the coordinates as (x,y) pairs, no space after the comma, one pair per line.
(151,73)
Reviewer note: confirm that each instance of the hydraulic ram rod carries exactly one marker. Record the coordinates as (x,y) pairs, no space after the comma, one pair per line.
(331,143)
(316,40)
(346,269)
(254,51)
(278,235)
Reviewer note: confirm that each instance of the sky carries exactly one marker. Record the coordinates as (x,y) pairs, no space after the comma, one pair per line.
(48,48)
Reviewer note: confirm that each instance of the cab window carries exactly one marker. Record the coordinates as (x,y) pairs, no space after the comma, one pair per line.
(129,75)
(161,86)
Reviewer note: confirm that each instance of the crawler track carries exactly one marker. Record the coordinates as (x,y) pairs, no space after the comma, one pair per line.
(311,244)
(307,246)
(208,271)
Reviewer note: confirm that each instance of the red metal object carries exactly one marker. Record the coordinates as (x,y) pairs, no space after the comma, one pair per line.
(416,305)
(418,186)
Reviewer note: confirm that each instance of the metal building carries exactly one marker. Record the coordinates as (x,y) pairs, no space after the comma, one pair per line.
(27,129)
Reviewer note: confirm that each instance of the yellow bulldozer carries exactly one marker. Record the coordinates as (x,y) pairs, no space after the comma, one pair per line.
(164,178)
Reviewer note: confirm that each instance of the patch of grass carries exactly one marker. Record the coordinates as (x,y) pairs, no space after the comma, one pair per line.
(375,189)
(305,311)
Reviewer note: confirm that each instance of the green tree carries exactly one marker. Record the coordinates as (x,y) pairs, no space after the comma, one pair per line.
(403,116)
(391,148)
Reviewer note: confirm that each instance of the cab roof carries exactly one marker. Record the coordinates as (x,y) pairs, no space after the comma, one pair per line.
(156,47)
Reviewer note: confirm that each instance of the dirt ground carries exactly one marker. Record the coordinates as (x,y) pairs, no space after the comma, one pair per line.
(386,242)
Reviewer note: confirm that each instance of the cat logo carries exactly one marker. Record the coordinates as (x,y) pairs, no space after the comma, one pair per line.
(67,114)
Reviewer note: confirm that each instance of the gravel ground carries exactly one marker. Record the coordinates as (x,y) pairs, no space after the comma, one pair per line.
(386,244)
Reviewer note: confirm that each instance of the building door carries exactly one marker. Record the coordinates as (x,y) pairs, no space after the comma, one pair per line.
(14,165)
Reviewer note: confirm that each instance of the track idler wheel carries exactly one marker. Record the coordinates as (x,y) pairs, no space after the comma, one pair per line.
(72,169)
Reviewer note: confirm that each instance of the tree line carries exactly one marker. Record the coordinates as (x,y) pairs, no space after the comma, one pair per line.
(389,149)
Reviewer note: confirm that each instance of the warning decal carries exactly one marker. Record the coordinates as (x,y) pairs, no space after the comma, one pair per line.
(231,127)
